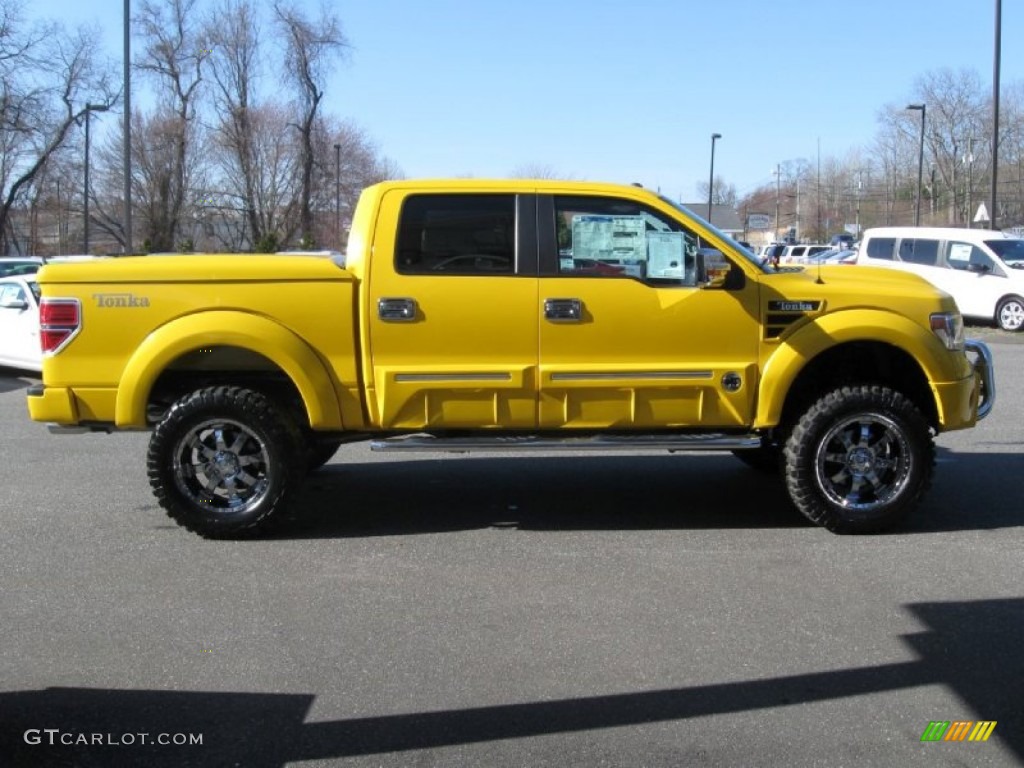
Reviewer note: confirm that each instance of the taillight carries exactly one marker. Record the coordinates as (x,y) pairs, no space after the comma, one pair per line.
(59,321)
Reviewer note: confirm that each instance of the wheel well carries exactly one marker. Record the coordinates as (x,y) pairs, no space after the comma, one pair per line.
(222,365)
(860,362)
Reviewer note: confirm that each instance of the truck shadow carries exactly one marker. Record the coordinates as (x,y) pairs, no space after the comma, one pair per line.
(632,492)
(965,647)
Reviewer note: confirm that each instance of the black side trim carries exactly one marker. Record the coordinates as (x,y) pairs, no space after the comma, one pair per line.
(546,242)
(526,235)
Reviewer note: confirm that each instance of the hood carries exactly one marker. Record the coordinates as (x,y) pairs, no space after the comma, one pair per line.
(844,286)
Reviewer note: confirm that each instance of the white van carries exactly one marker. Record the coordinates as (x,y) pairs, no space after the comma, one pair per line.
(981,269)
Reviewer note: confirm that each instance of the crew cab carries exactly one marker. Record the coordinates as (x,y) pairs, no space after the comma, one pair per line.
(509,315)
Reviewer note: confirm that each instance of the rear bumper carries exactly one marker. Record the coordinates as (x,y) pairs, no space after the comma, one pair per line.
(54,405)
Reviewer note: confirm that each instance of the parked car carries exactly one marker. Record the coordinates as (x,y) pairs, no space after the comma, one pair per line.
(981,269)
(17,265)
(799,254)
(834,256)
(19,324)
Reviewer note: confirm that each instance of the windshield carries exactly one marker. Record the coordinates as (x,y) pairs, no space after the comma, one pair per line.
(722,235)
(1010,250)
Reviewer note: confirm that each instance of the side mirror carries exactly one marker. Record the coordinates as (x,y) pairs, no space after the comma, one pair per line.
(19,304)
(712,269)
(978,269)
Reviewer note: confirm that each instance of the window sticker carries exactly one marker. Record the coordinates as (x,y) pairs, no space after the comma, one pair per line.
(960,254)
(607,238)
(666,255)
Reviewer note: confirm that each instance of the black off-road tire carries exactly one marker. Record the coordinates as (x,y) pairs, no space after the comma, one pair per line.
(859,459)
(224,462)
(1010,314)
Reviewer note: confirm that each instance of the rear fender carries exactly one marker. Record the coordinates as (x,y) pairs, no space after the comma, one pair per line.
(227,328)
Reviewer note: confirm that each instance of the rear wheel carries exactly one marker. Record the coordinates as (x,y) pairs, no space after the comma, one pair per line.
(859,459)
(223,462)
(1010,314)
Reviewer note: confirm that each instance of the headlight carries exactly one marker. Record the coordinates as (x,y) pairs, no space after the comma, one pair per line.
(949,327)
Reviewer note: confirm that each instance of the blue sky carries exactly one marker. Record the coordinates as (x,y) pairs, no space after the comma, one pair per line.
(632,91)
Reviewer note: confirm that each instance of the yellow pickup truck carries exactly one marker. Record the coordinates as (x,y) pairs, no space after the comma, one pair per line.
(509,315)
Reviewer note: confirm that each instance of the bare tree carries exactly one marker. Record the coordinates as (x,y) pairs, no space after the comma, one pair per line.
(723,192)
(311,48)
(234,34)
(48,77)
(173,55)
(538,171)
(347,162)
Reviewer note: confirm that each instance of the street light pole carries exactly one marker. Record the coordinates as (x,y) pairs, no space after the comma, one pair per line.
(89,108)
(920,162)
(127,139)
(995,112)
(711,180)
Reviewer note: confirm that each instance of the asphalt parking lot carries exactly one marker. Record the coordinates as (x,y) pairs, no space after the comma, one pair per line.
(557,610)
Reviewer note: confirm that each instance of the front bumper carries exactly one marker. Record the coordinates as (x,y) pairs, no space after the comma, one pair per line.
(984,372)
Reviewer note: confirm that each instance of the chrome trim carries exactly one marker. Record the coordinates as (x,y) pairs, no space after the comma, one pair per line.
(984,366)
(500,443)
(414,377)
(50,327)
(396,310)
(619,375)
(563,310)
(61,429)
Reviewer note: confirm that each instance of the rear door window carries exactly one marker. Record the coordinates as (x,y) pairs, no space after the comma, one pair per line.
(457,234)
(919,251)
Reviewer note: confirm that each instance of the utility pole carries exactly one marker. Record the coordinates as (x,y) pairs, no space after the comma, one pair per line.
(968,160)
(778,195)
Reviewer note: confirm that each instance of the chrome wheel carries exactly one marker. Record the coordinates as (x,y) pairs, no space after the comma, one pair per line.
(863,462)
(859,459)
(223,466)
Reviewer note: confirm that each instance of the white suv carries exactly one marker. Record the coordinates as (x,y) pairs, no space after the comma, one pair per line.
(981,269)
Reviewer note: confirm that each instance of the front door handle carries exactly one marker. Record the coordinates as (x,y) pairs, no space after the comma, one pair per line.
(563,310)
(396,310)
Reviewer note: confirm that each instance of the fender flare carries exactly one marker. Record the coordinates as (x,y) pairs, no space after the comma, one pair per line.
(831,330)
(232,328)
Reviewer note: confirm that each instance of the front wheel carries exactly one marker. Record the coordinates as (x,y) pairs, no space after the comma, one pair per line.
(1010,314)
(859,459)
(222,462)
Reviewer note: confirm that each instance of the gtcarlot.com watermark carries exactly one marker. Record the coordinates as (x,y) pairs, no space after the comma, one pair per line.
(55,737)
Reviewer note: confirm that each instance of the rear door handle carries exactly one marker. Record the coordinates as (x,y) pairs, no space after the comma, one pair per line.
(563,310)
(396,310)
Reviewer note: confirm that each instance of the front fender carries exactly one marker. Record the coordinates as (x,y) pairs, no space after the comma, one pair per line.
(938,364)
(226,328)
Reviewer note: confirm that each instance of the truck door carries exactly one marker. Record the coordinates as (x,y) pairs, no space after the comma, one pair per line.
(452,311)
(628,339)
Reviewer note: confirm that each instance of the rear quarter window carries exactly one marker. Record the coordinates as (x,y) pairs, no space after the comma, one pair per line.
(881,248)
